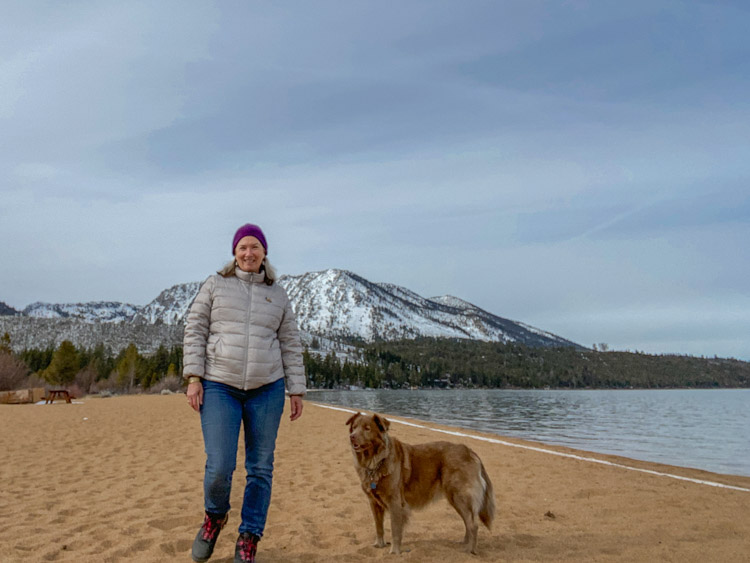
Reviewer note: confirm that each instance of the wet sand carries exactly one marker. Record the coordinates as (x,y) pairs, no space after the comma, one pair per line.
(120,479)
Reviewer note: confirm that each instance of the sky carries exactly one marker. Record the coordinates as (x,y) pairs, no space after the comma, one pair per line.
(579,166)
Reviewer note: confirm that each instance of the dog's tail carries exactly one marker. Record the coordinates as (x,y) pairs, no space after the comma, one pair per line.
(487,510)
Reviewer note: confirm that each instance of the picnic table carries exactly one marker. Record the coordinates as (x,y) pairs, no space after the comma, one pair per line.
(57,394)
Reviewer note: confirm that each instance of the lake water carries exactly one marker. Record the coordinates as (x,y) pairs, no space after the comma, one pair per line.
(703,429)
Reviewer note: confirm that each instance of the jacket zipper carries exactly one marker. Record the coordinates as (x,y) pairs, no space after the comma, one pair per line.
(247,332)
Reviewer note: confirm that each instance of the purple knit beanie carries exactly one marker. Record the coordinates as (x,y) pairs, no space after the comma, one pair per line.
(249,230)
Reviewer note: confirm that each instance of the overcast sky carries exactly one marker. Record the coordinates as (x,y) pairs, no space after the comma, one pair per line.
(578,166)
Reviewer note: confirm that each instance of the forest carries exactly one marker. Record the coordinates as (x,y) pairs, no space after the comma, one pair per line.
(94,370)
(420,363)
(431,362)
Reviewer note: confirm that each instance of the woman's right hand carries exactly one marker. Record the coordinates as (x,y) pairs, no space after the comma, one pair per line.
(195,395)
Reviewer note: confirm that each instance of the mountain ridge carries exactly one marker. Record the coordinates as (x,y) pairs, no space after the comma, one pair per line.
(7,310)
(333,304)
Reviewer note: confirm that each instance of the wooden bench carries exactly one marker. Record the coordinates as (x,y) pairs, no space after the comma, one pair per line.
(57,394)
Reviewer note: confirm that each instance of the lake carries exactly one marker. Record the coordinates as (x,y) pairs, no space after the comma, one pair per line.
(703,429)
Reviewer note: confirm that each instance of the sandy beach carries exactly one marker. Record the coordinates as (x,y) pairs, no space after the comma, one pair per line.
(120,479)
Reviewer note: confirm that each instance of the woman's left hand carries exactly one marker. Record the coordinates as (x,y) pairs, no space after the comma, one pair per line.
(295,402)
(195,395)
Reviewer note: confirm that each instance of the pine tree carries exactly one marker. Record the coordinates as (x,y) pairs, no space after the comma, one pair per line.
(64,366)
(126,366)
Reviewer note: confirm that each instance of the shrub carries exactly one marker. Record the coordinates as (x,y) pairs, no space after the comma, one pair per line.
(85,380)
(13,372)
(171,383)
(112,384)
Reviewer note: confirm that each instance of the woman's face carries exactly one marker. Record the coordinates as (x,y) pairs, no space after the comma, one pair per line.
(249,254)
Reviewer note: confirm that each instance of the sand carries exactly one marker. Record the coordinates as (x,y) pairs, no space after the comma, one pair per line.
(119,479)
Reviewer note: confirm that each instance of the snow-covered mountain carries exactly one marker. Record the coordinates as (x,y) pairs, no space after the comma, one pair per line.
(102,311)
(332,305)
(338,303)
(171,306)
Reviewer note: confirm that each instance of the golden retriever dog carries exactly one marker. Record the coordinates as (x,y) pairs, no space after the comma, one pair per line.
(398,477)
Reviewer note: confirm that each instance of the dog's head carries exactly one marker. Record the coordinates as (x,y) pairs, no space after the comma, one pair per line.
(367,433)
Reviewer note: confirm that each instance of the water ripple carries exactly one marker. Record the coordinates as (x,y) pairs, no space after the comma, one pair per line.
(704,429)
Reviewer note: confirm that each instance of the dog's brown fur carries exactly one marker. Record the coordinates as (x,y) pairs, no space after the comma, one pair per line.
(397,477)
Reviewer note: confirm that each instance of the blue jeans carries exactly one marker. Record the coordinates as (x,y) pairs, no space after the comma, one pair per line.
(224,408)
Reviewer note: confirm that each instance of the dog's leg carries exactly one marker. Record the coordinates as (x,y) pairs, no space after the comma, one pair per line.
(464,506)
(472,529)
(378,513)
(399,516)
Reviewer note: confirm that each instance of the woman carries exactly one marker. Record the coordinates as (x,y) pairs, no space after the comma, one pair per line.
(241,348)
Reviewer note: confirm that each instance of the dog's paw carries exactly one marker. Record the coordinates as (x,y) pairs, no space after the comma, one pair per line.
(379,543)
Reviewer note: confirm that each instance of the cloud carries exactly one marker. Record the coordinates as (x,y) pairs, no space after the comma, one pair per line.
(571,165)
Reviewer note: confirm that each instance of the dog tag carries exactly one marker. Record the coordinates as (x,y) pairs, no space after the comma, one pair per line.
(373,485)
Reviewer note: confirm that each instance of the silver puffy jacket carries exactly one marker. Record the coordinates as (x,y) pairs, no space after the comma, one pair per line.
(242,332)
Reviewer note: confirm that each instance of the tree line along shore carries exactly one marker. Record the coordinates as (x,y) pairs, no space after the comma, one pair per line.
(420,363)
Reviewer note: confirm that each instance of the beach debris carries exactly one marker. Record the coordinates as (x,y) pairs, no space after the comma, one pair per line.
(549,514)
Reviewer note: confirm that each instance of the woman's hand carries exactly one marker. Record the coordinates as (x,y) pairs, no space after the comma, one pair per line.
(195,395)
(295,402)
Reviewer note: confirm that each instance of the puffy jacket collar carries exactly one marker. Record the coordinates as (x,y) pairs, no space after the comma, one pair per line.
(250,277)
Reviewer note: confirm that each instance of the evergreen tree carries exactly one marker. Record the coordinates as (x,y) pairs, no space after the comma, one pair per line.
(64,365)
(127,365)
(102,361)
(37,360)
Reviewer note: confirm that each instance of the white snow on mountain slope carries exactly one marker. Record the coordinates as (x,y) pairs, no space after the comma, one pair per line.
(451,301)
(171,306)
(340,304)
(102,311)
(331,305)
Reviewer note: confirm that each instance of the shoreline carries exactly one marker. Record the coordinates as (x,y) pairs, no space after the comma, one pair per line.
(643,425)
(557,450)
(120,479)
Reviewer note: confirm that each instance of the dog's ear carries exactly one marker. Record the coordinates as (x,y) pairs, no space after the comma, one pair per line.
(381,422)
(352,419)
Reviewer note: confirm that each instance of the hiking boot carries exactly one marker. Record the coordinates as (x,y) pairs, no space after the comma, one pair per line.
(247,545)
(203,545)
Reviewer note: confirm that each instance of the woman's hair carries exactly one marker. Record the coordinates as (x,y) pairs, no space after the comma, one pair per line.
(228,270)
